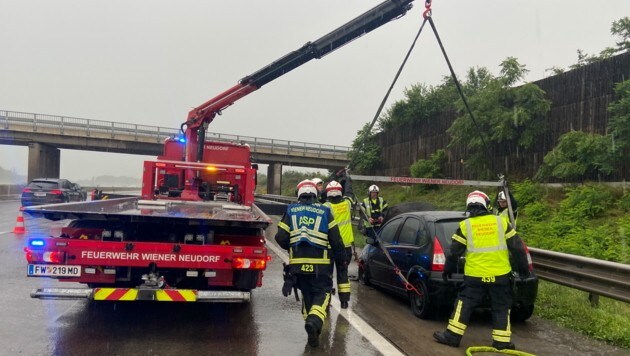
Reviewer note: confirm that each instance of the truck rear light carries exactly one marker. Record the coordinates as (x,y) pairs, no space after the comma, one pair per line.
(56,192)
(439,259)
(53,256)
(248,263)
(29,255)
(192,273)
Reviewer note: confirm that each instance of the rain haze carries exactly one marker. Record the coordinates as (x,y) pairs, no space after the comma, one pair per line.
(150,62)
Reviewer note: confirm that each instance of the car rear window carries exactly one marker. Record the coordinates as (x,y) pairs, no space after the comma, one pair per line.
(446,228)
(43,185)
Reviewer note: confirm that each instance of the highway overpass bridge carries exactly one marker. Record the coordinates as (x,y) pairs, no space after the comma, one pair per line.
(46,134)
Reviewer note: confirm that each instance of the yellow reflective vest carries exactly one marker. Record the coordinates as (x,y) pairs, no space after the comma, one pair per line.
(485,238)
(342,212)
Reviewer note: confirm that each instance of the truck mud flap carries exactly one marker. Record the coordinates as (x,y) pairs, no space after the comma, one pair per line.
(136,294)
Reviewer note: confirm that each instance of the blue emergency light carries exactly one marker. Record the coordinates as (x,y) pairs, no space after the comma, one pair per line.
(37,243)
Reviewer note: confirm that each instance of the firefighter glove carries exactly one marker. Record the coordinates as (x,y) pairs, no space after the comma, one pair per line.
(289,281)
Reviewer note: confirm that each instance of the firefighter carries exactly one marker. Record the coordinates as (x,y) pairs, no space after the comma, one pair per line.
(486,240)
(341,207)
(373,211)
(311,235)
(502,206)
(321,192)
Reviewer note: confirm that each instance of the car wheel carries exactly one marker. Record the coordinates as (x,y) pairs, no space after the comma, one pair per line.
(419,301)
(364,274)
(522,313)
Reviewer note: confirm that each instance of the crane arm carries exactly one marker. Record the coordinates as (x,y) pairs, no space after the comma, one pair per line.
(199,117)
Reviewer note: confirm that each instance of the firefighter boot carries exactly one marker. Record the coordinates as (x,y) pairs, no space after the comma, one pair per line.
(344,305)
(313,334)
(447,338)
(503,345)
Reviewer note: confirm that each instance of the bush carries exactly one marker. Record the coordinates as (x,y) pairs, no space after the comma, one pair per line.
(586,202)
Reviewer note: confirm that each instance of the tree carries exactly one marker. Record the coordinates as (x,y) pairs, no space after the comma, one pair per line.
(365,153)
(505,116)
(429,168)
(619,123)
(578,156)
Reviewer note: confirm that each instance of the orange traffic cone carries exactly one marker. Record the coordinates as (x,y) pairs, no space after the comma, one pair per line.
(19,224)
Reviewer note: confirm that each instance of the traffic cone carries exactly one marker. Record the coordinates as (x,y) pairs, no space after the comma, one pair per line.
(19,224)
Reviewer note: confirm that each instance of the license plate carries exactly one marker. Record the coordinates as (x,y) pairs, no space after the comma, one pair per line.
(39,194)
(54,271)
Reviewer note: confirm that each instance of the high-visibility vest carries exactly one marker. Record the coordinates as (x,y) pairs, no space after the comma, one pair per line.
(369,210)
(308,224)
(486,248)
(342,214)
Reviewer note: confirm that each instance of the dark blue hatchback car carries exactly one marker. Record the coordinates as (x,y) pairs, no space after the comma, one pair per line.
(418,243)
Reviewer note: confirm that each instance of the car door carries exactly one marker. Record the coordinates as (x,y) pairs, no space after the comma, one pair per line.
(379,265)
(406,249)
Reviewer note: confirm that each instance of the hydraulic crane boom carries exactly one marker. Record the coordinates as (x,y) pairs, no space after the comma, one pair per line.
(201,116)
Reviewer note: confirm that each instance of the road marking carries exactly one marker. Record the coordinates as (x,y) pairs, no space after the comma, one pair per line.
(374,337)
(5,232)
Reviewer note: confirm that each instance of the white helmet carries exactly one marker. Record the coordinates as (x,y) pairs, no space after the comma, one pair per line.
(373,188)
(477,197)
(501,196)
(333,189)
(317,181)
(306,187)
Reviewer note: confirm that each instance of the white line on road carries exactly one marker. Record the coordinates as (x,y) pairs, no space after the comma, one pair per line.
(5,232)
(377,340)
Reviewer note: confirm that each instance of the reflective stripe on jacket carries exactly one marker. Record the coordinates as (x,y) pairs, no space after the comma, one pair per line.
(370,209)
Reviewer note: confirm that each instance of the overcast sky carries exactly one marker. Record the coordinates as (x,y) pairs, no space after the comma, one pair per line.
(151,61)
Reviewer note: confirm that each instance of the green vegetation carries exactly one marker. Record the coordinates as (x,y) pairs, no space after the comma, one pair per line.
(590,220)
(365,153)
(570,308)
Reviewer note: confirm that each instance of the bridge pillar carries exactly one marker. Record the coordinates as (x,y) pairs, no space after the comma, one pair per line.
(274,178)
(43,161)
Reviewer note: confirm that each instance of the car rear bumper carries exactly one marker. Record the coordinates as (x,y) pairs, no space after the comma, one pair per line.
(444,293)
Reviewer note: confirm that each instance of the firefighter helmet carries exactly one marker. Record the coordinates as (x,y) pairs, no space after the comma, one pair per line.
(333,189)
(306,187)
(477,197)
(373,188)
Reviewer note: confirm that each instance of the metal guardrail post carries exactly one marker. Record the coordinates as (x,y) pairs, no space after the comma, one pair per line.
(157,137)
(6,120)
(87,130)
(112,130)
(34,122)
(136,133)
(61,126)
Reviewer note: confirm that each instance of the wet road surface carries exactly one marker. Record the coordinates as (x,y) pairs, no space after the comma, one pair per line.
(375,324)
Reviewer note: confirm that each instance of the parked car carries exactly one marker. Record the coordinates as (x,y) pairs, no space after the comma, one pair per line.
(51,191)
(418,243)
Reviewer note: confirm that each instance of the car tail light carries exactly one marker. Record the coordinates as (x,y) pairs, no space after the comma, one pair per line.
(56,192)
(530,263)
(26,190)
(438,256)
(249,263)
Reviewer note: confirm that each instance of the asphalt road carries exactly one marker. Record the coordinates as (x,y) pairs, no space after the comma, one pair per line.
(375,323)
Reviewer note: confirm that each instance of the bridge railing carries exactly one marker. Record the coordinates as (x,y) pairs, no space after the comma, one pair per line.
(65,125)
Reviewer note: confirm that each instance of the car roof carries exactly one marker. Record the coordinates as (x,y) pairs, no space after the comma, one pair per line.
(46,180)
(435,215)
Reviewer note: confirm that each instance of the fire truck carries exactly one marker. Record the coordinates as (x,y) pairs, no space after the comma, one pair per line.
(195,233)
